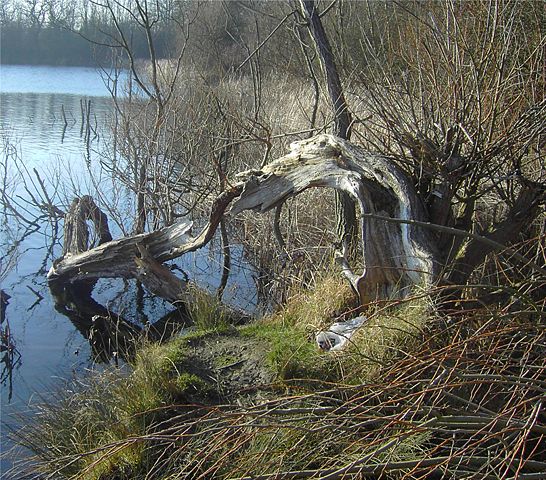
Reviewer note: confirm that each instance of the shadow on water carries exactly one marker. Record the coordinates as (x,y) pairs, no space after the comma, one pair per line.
(110,336)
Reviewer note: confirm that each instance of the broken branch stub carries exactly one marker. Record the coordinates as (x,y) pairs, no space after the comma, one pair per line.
(395,256)
(130,257)
(76,233)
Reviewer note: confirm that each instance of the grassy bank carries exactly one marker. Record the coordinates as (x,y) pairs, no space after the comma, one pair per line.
(412,395)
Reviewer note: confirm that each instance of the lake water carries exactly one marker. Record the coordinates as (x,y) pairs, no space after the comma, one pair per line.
(41,128)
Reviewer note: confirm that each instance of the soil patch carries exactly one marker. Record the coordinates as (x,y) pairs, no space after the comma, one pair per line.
(233,366)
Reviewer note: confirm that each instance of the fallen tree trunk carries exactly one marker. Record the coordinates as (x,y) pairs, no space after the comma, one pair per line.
(394,256)
(109,334)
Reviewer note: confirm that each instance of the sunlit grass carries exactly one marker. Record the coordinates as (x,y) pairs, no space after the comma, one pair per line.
(77,431)
(207,312)
(290,332)
(370,404)
(388,334)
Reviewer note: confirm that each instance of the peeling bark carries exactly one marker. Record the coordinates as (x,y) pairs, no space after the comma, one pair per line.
(116,259)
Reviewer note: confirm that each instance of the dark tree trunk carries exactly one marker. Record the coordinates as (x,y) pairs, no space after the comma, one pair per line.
(521,215)
(342,119)
(345,210)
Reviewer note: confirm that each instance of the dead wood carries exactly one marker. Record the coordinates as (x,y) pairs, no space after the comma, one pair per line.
(76,232)
(157,278)
(394,256)
(137,256)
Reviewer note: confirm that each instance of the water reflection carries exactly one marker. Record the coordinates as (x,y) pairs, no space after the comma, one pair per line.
(41,129)
(36,124)
(10,357)
(109,334)
(49,133)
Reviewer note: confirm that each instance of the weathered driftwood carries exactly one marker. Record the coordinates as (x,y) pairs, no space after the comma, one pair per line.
(109,334)
(136,256)
(76,233)
(395,256)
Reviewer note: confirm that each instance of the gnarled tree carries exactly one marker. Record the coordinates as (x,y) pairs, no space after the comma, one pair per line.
(454,134)
(395,256)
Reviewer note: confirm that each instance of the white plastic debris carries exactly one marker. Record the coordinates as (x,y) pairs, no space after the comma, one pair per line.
(337,336)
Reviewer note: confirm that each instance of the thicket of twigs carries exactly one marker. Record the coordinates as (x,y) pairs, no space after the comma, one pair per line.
(452,92)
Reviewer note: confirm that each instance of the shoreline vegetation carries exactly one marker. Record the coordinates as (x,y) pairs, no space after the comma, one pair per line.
(261,401)
(439,114)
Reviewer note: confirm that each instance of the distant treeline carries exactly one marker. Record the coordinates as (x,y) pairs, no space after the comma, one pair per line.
(255,37)
(217,36)
(69,32)
(52,45)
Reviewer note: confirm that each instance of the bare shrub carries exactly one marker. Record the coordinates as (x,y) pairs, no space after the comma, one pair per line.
(454,93)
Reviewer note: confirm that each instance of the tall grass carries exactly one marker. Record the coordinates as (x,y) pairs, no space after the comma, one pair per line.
(207,312)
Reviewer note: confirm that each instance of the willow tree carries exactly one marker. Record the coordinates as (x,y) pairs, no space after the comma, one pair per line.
(395,255)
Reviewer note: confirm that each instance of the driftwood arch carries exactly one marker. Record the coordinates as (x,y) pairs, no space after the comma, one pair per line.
(394,255)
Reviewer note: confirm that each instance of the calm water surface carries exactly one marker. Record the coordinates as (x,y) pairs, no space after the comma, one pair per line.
(41,126)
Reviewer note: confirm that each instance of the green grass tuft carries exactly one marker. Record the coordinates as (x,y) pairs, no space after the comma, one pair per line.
(110,407)
(292,354)
(208,313)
